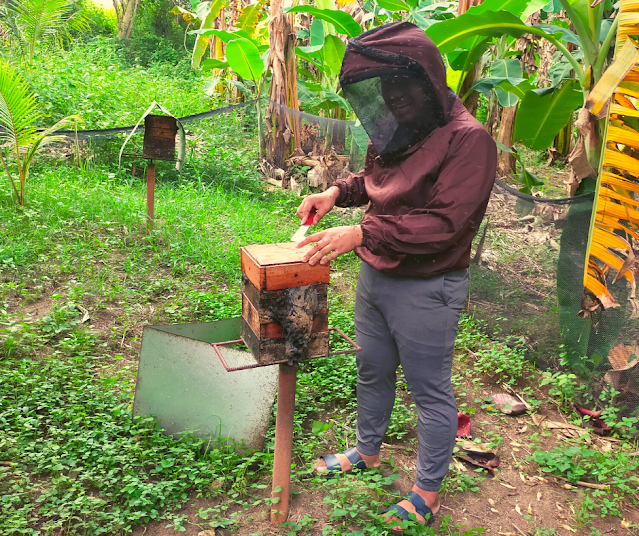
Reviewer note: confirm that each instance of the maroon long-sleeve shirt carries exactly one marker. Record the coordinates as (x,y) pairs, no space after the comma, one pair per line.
(423,209)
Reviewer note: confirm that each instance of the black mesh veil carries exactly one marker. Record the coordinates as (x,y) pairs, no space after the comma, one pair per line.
(391,93)
(397,107)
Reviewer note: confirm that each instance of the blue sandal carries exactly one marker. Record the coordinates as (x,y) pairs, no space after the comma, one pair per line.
(420,507)
(333,465)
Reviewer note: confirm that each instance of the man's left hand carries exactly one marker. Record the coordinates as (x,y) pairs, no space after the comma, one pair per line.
(335,241)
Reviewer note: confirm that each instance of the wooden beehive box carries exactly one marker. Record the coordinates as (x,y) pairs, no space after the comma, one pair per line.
(270,269)
(159,137)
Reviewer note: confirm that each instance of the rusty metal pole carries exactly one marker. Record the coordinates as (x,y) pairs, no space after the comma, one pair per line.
(150,195)
(283,442)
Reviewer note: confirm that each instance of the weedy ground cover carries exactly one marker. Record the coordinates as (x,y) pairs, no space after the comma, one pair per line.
(75,461)
(102,81)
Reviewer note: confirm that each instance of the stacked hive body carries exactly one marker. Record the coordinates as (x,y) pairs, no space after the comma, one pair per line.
(269,271)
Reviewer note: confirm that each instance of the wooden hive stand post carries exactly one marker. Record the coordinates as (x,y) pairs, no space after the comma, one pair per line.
(269,270)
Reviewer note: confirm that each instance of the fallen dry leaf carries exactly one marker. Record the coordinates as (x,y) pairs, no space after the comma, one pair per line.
(507,533)
(625,524)
(210,532)
(494,511)
(620,357)
(459,466)
(559,507)
(507,486)
(568,486)
(515,444)
(85,314)
(518,510)
(538,496)
(538,419)
(606,446)
(508,404)
(529,511)
(568,528)
(523,477)
(491,502)
(469,445)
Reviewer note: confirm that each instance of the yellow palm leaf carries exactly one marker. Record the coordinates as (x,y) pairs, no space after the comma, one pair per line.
(625,59)
(616,180)
(624,102)
(616,159)
(626,136)
(622,110)
(613,223)
(631,5)
(605,206)
(632,76)
(611,194)
(599,290)
(600,252)
(615,206)
(609,240)
(626,91)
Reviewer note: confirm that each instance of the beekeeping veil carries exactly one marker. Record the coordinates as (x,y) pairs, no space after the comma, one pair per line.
(395,80)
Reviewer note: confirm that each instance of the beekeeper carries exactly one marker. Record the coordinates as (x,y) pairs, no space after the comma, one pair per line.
(428,174)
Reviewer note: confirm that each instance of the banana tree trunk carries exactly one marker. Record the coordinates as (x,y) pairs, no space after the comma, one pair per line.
(217,46)
(125,11)
(493,114)
(563,140)
(506,161)
(465,5)
(472,101)
(281,126)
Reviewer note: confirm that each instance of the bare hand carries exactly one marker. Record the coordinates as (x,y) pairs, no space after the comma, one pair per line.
(336,241)
(323,203)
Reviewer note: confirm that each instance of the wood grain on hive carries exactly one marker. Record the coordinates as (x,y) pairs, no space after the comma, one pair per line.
(159,137)
(269,270)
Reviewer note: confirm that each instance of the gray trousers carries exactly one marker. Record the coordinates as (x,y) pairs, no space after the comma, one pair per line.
(411,322)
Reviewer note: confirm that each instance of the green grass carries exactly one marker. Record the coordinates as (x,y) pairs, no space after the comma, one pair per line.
(108,84)
(83,464)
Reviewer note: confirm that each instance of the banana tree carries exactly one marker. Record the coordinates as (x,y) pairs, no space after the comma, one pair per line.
(465,39)
(205,15)
(247,60)
(326,53)
(422,13)
(18,115)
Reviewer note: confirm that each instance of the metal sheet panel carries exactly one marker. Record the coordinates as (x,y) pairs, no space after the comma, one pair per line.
(182,383)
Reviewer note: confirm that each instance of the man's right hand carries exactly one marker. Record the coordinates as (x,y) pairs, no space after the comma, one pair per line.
(323,203)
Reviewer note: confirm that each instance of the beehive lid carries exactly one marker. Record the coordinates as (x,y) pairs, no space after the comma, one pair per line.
(279,266)
(272,254)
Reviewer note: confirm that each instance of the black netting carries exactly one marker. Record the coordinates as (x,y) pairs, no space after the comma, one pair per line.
(526,288)
(526,275)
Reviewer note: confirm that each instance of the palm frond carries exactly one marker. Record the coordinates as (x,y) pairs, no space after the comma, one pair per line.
(45,137)
(40,21)
(616,213)
(18,108)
